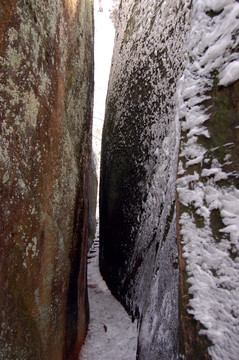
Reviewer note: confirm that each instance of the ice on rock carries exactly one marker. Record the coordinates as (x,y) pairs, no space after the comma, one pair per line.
(217,5)
(230,74)
(213,272)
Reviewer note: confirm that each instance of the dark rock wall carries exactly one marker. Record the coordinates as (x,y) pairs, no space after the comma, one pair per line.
(174,85)
(138,251)
(46,86)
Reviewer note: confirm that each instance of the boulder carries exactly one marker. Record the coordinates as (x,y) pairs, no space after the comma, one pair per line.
(172,123)
(46,87)
(207,185)
(138,248)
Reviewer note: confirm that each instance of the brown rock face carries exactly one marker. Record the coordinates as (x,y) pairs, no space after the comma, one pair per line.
(46,87)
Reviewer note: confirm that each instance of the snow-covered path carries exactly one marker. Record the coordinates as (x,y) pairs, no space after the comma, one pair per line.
(111,334)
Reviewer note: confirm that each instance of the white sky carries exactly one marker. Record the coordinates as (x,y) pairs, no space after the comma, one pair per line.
(104,41)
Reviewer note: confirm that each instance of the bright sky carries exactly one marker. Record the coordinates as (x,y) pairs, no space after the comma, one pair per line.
(104,40)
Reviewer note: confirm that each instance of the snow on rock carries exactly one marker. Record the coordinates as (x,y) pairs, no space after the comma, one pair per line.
(209,217)
(111,333)
(138,254)
(230,74)
(174,77)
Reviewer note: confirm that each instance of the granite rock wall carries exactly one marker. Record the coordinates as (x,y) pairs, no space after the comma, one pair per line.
(138,248)
(207,185)
(46,89)
(171,257)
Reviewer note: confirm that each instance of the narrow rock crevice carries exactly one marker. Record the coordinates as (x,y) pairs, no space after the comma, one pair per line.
(169,190)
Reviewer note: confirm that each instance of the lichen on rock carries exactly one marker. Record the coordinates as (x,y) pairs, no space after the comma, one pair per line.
(46,60)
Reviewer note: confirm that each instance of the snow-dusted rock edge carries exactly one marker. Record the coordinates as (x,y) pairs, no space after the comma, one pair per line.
(138,254)
(155,94)
(208,173)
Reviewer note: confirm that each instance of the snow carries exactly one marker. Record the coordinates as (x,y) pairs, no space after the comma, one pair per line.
(230,74)
(213,271)
(217,5)
(148,61)
(212,263)
(111,334)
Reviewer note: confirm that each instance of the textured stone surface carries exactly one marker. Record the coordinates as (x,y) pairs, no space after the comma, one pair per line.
(93,190)
(174,79)
(46,85)
(138,254)
(207,185)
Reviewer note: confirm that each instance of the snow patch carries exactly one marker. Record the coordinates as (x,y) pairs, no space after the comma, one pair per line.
(111,333)
(230,74)
(212,262)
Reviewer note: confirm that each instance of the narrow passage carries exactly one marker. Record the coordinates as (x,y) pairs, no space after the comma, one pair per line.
(111,334)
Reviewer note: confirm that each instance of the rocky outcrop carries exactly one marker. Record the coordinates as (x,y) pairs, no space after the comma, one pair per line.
(174,85)
(138,254)
(207,185)
(46,86)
